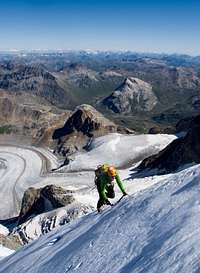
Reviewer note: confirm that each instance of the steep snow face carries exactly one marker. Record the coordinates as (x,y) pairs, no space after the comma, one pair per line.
(154,231)
(119,150)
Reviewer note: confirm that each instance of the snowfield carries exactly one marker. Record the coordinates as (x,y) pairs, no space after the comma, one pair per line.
(119,150)
(155,230)
(23,167)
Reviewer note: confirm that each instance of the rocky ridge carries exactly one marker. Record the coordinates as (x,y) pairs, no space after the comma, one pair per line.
(24,115)
(44,209)
(37,201)
(184,150)
(35,80)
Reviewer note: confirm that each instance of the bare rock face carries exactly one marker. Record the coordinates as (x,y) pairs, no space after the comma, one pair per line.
(44,209)
(186,77)
(84,123)
(10,241)
(185,124)
(134,95)
(85,119)
(181,151)
(27,117)
(33,79)
(37,201)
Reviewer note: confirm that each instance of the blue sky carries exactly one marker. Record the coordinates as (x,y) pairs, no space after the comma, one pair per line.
(143,26)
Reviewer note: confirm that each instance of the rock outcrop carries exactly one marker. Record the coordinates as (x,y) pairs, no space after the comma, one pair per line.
(44,209)
(84,123)
(185,124)
(37,201)
(185,150)
(134,95)
(10,241)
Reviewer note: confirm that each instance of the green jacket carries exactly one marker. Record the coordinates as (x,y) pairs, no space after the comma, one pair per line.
(103,185)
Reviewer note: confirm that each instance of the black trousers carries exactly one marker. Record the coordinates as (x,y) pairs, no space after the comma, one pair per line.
(109,194)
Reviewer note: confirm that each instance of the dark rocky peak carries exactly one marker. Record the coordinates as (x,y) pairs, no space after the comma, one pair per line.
(185,150)
(85,119)
(84,124)
(185,124)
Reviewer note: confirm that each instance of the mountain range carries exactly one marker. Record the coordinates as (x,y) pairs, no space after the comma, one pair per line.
(68,79)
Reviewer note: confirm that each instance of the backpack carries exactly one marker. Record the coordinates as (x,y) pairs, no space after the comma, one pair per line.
(100,170)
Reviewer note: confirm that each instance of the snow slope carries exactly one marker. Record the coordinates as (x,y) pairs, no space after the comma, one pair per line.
(156,230)
(21,168)
(120,150)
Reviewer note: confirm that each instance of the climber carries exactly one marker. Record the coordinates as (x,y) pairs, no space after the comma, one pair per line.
(104,180)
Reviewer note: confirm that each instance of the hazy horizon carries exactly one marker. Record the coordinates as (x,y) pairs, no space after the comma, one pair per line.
(38,50)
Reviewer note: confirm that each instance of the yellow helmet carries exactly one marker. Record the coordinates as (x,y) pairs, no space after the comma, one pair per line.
(112,171)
